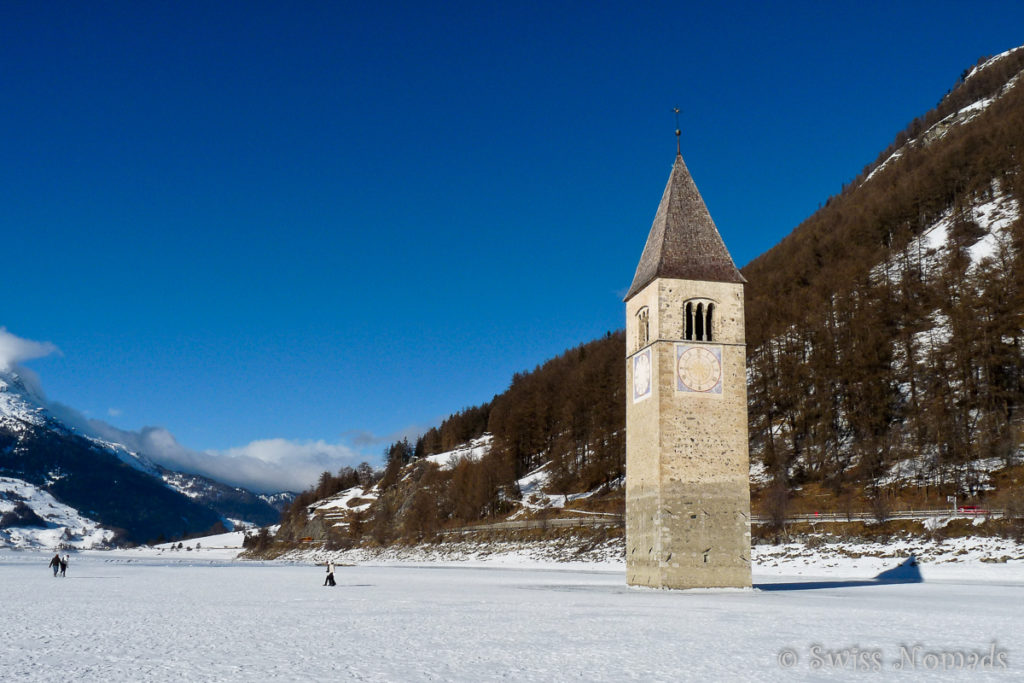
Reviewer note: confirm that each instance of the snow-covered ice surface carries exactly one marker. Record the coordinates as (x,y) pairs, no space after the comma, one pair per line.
(208,548)
(138,616)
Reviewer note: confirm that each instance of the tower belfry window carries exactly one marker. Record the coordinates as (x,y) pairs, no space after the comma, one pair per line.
(698,324)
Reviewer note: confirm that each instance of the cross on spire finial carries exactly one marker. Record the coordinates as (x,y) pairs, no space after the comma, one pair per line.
(676,110)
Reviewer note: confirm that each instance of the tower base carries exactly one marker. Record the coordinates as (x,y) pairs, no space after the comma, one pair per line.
(688,535)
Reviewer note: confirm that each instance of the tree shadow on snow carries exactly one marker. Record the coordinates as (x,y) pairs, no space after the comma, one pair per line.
(907,572)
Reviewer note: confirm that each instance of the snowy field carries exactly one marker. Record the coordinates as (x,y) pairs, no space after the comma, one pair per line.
(195,616)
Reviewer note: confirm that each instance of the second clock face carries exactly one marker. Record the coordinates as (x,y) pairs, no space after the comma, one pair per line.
(699,369)
(642,376)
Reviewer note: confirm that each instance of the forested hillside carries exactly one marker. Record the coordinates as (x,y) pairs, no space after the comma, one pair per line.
(884,342)
(568,413)
(887,327)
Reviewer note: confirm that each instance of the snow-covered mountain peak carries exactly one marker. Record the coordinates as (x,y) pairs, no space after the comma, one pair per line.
(18,402)
(45,454)
(20,407)
(10,380)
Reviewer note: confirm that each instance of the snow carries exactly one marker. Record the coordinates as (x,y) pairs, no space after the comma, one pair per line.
(123,616)
(989,62)
(966,557)
(129,457)
(20,406)
(473,451)
(975,474)
(971,111)
(960,117)
(759,473)
(65,526)
(531,486)
(994,216)
(344,501)
(892,157)
(22,411)
(217,548)
(559,500)
(827,556)
(534,482)
(994,213)
(17,405)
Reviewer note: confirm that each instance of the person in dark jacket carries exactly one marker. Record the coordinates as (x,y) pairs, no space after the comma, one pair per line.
(64,565)
(55,563)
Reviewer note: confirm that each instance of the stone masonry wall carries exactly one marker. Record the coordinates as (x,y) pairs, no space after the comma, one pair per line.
(687,483)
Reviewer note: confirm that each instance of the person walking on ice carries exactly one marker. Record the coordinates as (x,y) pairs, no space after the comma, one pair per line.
(55,563)
(329,581)
(64,565)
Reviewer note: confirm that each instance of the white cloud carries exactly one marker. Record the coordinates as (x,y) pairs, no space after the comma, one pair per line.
(273,462)
(114,412)
(14,350)
(265,466)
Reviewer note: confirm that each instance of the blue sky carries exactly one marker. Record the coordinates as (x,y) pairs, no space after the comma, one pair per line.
(336,223)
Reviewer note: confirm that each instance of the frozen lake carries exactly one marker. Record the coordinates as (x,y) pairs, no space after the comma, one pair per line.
(151,619)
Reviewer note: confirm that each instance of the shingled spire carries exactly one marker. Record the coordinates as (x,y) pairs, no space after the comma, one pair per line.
(683,242)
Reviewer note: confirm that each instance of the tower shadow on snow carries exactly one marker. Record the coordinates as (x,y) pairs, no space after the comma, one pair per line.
(907,572)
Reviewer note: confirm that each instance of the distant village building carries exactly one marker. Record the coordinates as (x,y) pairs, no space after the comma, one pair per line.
(687,465)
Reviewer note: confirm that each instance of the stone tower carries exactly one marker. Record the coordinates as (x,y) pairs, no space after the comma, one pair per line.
(687,467)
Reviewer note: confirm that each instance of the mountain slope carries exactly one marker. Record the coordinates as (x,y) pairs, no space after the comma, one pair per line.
(31,517)
(887,328)
(106,483)
(231,502)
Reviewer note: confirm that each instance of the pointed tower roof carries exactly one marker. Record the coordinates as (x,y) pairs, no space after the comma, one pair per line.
(684,242)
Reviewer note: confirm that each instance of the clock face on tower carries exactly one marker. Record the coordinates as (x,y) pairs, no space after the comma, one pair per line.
(699,369)
(641,375)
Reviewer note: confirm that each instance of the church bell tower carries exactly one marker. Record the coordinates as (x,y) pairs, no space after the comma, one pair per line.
(687,466)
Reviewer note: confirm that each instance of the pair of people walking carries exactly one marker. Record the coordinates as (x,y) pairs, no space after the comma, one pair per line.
(329,581)
(60,564)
